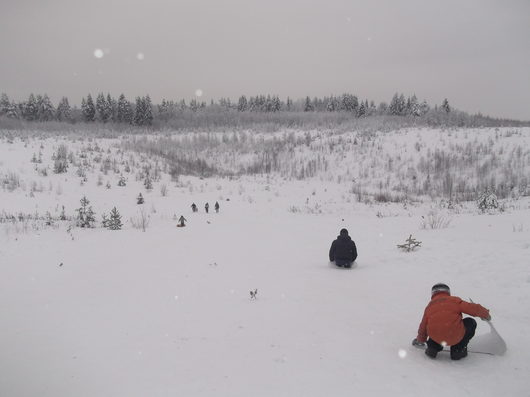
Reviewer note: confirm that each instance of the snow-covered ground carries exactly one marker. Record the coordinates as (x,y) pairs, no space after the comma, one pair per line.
(167,312)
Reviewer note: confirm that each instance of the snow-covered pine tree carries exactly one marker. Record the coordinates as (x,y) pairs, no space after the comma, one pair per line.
(148,111)
(4,104)
(148,183)
(63,112)
(121,111)
(85,214)
(394,105)
(45,109)
(414,106)
(289,104)
(30,108)
(139,111)
(102,108)
(362,110)
(115,220)
(308,105)
(128,114)
(112,108)
(122,182)
(13,111)
(242,104)
(88,109)
(445,105)
(140,199)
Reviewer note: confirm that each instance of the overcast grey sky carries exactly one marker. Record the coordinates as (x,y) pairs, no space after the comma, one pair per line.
(474,52)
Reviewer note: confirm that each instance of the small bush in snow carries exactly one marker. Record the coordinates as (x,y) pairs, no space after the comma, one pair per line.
(85,214)
(141,221)
(140,199)
(11,181)
(410,244)
(487,201)
(435,220)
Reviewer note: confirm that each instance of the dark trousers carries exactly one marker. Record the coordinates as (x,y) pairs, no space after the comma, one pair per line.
(470,325)
(343,263)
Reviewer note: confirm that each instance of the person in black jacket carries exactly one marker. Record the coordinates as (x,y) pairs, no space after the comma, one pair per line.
(343,250)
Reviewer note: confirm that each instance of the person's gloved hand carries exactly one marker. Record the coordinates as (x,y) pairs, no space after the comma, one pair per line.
(486,318)
(416,343)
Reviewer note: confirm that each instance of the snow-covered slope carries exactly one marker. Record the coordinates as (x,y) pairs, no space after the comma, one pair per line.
(167,312)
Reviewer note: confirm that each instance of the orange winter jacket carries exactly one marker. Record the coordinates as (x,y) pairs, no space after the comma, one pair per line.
(442,319)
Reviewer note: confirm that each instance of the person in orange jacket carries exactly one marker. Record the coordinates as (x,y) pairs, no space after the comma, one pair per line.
(442,323)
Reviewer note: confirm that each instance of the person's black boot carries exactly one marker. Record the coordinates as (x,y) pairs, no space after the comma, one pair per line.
(431,352)
(458,354)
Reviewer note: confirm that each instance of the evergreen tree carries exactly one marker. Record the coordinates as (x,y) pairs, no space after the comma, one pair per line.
(414,107)
(4,104)
(350,103)
(114,222)
(424,108)
(30,108)
(289,104)
(13,111)
(88,109)
(112,108)
(140,199)
(138,111)
(362,110)
(45,108)
(276,104)
(121,111)
(445,106)
(63,110)
(148,183)
(85,214)
(308,106)
(242,104)
(102,108)
(148,111)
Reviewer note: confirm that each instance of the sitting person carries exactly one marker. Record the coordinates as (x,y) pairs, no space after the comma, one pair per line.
(442,323)
(343,250)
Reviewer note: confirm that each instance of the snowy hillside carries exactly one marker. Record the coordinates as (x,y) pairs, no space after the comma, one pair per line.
(166,311)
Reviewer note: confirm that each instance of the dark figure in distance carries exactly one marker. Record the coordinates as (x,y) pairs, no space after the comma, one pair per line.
(206,207)
(216,206)
(181,221)
(442,323)
(343,250)
(194,207)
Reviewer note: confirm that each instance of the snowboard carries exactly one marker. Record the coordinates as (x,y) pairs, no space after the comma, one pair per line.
(490,344)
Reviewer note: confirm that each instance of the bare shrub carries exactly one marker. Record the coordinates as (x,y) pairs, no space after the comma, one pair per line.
(141,220)
(11,181)
(435,220)
(163,190)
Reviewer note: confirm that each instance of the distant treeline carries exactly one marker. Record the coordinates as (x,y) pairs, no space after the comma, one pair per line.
(261,111)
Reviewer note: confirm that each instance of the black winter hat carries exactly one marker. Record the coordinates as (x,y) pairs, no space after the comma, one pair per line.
(440,287)
(343,232)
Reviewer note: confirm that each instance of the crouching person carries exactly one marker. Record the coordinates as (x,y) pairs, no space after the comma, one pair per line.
(442,323)
(343,250)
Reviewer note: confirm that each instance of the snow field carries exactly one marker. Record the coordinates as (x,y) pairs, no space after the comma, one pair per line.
(167,311)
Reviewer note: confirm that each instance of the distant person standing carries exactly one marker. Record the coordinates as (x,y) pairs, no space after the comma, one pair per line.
(194,207)
(206,207)
(343,250)
(216,206)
